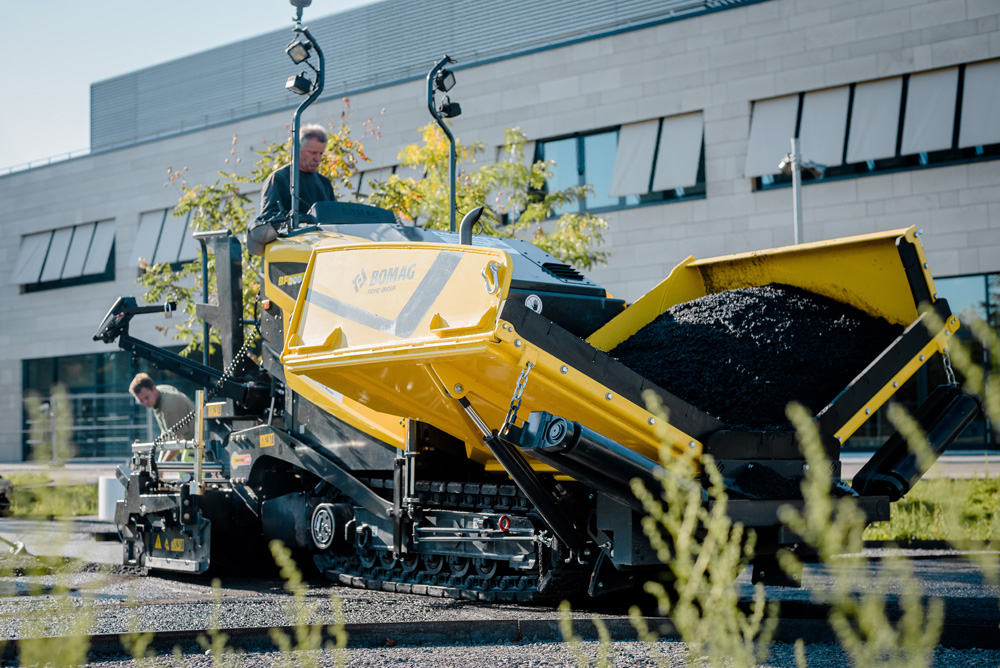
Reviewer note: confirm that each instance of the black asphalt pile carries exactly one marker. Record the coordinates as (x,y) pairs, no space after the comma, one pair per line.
(742,355)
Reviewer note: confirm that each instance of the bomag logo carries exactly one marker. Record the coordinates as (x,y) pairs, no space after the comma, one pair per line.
(360,280)
(266,440)
(384,280)
(291,279)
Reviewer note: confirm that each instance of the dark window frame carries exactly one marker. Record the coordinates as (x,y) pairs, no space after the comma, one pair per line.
(625,202)
(899,162)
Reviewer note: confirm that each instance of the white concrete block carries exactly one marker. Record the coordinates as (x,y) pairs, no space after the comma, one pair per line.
(989,259)
(960,50)
(939,12)
(799,79)
(851,70)
(975,9)
(942,262)
(939,178)
(802,20)
(973,218)
(986,195)
(109,493)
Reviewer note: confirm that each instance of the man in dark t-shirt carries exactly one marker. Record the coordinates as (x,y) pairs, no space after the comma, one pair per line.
(276,197)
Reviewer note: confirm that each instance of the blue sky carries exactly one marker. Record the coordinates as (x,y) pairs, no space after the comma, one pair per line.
(52,50)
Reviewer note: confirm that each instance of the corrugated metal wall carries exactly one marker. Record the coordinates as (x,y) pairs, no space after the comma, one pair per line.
(367,47)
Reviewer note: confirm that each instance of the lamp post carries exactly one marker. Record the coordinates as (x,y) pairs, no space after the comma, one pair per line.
(443,80)
(300,84)
(793,164)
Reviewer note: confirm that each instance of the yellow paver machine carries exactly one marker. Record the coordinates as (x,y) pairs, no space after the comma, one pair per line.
(442,413)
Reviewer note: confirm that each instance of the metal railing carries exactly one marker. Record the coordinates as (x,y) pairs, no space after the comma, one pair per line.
(42,162)
(102,425)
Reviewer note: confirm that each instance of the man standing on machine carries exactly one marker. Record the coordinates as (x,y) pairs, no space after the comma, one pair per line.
(276,197)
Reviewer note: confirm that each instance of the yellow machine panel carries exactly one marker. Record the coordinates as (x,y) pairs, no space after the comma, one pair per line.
(411,328)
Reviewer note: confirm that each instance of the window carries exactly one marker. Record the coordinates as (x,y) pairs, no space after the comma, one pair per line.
(970,298)
(924,119)
(162,238)
(76,255)
(381,174)
(638,163)
(106,419)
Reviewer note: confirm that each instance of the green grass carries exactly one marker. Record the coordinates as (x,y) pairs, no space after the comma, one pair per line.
(34,497)
(27,478)
(944,509)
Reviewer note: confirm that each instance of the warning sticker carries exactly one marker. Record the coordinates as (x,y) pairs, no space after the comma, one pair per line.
(168,544)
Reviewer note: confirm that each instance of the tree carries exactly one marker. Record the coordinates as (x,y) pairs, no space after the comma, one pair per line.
(518,205)
(513,190)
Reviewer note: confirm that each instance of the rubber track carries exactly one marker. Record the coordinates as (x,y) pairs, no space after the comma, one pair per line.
(476,497)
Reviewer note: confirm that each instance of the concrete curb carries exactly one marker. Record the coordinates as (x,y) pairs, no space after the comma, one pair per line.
(814,627)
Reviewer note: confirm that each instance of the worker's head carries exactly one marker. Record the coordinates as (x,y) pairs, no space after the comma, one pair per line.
(312,146)
(144,390)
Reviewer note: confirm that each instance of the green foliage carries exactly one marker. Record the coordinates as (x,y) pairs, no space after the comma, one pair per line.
(945,509)
(136,643)
(54,501)
(978,380)
(605,650)
(301,611)
(214,641)
(704,551)
(51,424)
(510,186)
(29,478)
(833,527)
(36,647)
(984,382)
(70,649)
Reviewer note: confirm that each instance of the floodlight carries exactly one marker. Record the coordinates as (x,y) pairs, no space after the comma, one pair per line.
(449,109)
(444,80)
(300,3)
(298,51)
(787,164)
(299,84)
(817,170)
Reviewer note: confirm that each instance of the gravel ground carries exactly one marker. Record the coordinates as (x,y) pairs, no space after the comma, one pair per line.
(103,603)
(118,604)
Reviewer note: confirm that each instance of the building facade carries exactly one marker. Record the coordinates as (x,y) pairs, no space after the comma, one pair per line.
(678,112)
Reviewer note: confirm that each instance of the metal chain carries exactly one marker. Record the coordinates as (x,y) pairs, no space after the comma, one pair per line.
(212,393)
(949,372)
(515,400)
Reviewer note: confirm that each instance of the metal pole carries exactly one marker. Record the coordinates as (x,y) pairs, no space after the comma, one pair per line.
(199,439)
(796,191)
(444,127)
(297,118)
(204,296)
(451,179)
